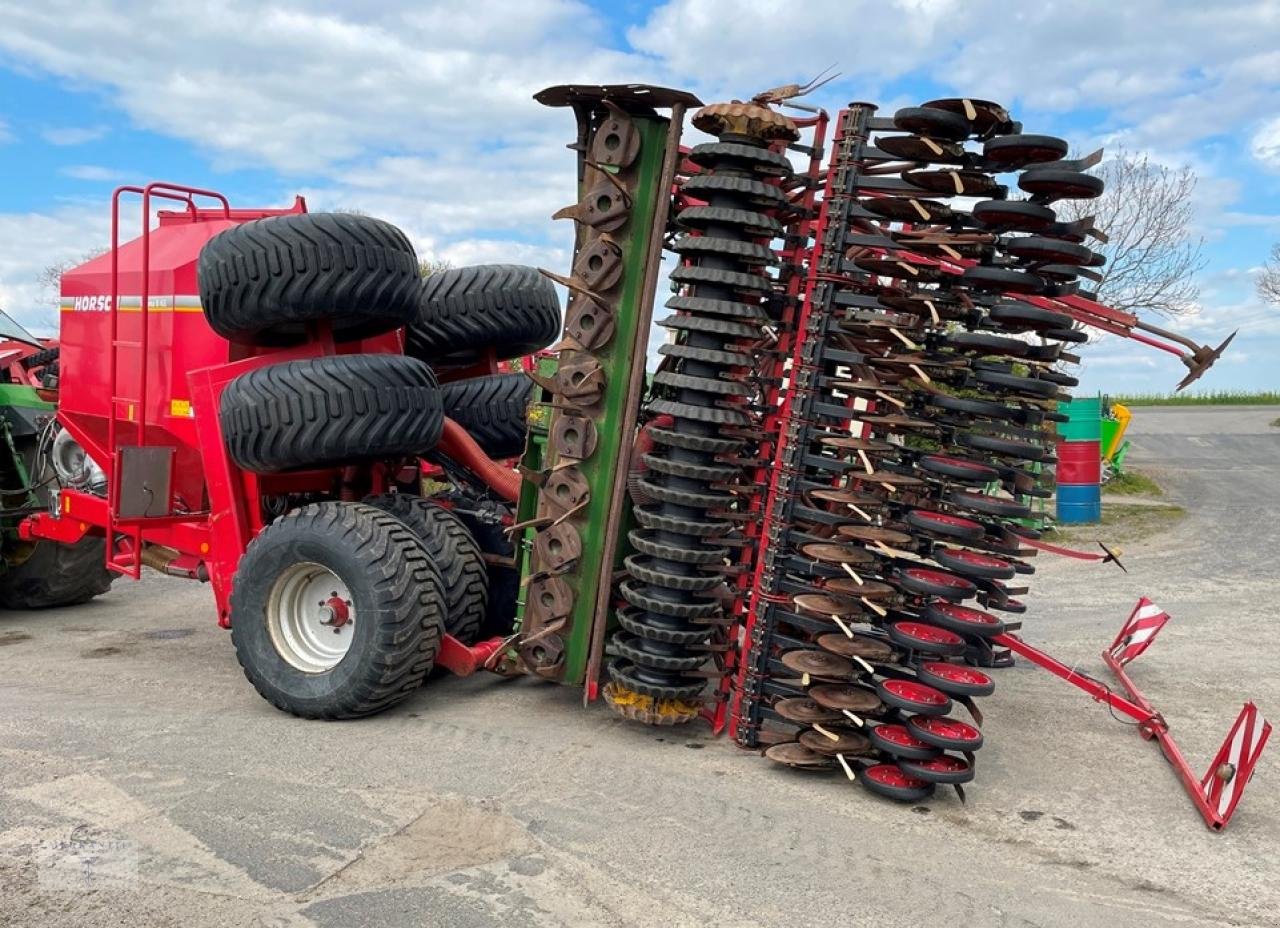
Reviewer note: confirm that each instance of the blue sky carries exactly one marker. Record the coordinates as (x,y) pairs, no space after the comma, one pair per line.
(421,113)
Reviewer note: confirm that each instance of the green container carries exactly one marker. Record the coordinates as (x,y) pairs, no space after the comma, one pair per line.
(1085,423)
(1109,429)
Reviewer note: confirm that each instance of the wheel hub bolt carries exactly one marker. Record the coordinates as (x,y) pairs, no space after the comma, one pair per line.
(335,612)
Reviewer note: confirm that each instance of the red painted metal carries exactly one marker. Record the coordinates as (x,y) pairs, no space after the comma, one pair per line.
(153,375)
(964,613)
(462,661)
(12,354)
(928,634)
(787,361)
(1215,795)
(161,384)
(457,444)
(1079,462)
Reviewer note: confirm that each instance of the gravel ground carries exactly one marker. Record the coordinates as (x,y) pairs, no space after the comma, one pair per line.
(145,784)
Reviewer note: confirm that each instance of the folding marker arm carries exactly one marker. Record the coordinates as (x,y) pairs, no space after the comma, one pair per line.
(1218,792)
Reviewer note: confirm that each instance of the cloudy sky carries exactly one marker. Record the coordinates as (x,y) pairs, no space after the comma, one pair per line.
(420,112)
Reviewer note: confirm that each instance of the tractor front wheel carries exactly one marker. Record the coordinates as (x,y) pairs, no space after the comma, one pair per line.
(337,611)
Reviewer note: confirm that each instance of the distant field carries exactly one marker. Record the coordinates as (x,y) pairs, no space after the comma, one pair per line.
(1218,398)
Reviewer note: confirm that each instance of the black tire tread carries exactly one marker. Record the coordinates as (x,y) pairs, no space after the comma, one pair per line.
(410,591)
(456,555)
(55,574)
(492,409)
(509,308)
(331,410)
(264,282)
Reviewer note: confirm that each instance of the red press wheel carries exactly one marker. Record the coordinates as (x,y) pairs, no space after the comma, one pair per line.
(943,769)
(959,468)
(989,505)
(1022,215)
(899,742)
(955,679)
(944,524)
(1017,316)
(963,621)
(948,734)
(916,636)
(928,582)
(890,781)
(913,696)
(974,564)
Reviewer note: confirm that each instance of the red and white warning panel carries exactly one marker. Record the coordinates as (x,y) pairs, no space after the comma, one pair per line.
(1139,631)
(1229,774)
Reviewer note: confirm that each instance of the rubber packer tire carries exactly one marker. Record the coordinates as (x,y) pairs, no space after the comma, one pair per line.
(332,410)
(504,581)
(266,282)
(492,409)
(397,596)
(456,556)
(464,312)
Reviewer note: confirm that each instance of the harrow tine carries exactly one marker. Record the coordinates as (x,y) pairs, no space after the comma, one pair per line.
(1201,360)
(1112,557)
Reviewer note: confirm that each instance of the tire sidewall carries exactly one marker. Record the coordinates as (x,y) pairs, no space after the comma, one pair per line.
(295,541)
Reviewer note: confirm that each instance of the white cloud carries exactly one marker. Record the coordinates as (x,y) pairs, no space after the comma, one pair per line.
(1266,143)
(6,134)
(30,242)
(73,135)
(91,172)
(310,86)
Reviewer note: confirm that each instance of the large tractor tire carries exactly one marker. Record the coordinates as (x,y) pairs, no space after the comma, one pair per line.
(492,410)
(45,574)
(456,556)
(337,611)
(267,282)
(332,410)
(507,308)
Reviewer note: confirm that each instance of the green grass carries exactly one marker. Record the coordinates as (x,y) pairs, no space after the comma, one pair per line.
(1132,483)
(1122,524)
(1215,398)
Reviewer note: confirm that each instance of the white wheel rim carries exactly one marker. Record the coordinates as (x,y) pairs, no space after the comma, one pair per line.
(311,617)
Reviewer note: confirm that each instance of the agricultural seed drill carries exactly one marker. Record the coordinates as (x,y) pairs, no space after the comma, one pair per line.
(803,527)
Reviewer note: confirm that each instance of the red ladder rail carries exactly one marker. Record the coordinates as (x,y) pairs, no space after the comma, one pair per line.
(124,534)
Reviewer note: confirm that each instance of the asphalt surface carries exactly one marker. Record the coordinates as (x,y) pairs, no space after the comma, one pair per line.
(145,784)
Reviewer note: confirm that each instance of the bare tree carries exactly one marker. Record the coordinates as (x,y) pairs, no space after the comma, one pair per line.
(1269,281)
(50,279)
(1153,255)
(431,266)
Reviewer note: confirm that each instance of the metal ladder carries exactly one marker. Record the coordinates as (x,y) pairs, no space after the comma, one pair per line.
(124,533)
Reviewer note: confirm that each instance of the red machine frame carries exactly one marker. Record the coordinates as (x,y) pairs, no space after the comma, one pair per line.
(208,544)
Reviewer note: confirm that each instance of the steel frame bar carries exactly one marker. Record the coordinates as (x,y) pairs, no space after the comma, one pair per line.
(799,250)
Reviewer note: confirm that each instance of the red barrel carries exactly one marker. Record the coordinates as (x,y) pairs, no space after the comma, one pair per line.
(1079,462)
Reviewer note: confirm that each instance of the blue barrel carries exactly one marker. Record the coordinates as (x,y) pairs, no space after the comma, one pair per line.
(1079,502)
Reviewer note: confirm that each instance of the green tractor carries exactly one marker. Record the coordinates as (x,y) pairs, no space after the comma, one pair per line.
(35,459)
